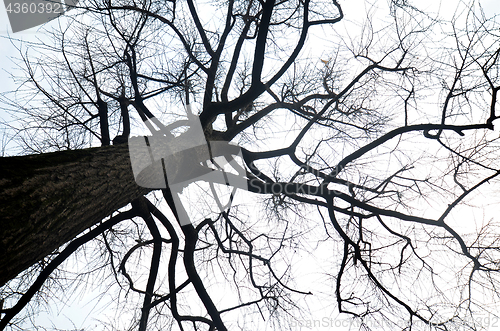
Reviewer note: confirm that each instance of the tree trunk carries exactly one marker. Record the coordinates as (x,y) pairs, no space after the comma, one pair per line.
(48,199)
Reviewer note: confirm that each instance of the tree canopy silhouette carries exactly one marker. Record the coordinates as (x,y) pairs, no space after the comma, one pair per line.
(370,158)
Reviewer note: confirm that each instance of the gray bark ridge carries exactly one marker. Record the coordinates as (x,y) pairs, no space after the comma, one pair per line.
(48,199)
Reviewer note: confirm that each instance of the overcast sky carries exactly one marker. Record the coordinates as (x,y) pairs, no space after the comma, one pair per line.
(491,8)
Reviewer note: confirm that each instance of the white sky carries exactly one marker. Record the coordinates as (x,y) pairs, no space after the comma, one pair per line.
(7,50)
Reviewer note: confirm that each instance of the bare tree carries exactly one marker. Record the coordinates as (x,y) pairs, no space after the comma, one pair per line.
(365,159)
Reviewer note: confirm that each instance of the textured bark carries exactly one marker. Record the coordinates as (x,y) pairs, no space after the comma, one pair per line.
(48,199)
